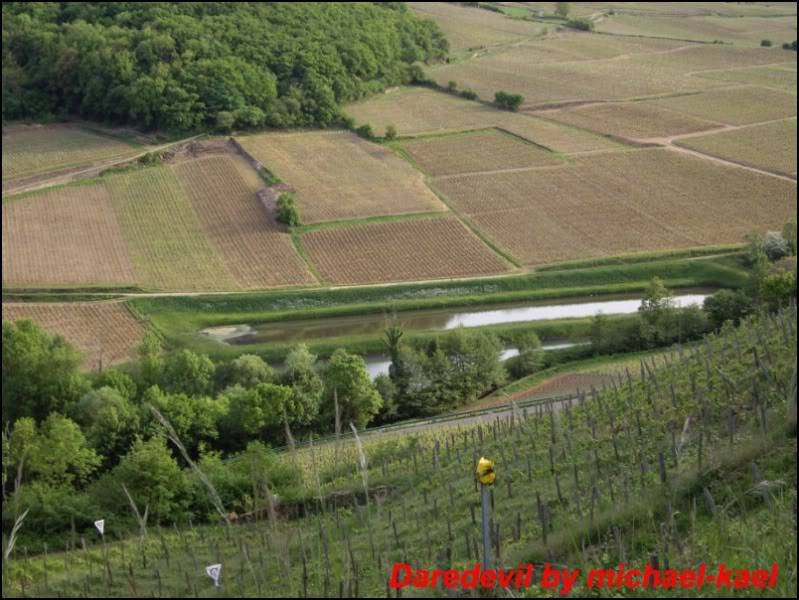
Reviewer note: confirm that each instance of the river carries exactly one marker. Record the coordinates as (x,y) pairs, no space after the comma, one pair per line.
(431,320)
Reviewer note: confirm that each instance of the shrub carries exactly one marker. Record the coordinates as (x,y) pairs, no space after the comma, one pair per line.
(581,24)
(150,159)
(766,43)
(727,305)
(287,212)
(508,101)
(789,46)
(452,86)
(775,246)
(391,132)
(469,94)
(562,9)
(779,289)
(365,131)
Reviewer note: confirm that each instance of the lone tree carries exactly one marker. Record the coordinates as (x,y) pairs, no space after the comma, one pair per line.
(562,9)
(508,101)
(287,212)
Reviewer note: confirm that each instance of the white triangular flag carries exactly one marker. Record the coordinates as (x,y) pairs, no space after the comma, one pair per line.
(100,526)
(214,572)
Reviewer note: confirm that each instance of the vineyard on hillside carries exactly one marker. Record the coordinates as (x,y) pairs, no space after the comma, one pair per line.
(437,248)
(488,150)
(338,175)
(619,202)
(648,468)
(64,236)
(37,150)
(105,333)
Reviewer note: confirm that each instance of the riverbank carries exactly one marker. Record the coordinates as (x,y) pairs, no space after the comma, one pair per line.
(178,320)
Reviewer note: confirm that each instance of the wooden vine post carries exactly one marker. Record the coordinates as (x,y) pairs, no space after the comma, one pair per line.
(486,476)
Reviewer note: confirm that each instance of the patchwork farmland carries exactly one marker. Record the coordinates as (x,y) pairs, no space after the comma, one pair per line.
(30,151)
(194,224)
(735,106)
(314,260)
(255,250)
(744,31)
(105,333)
(339,176)
(166,240)
(562,179)
(771,146)
(417,111)
(779,77)
(639,73)
(430,248)
(630,121)
(65,236)
(476,151)
(471,30)
(616,203)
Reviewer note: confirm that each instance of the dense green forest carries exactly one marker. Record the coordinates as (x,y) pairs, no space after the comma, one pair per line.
(180,66)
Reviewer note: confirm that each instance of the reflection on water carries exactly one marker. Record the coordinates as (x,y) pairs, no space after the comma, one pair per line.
(430,320)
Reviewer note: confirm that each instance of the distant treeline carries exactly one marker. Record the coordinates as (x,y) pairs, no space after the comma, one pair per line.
(181,66)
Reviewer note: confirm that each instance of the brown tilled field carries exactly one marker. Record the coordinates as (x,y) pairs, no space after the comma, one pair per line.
(257,252)
(618,203)
(105,333)
(744,30)
(436,248)
(636,74)
(64,236)
(630,120)
(417,110)
(735,106)
(780,77)
(340,176)
(467,28)
(490,150)
(771,146)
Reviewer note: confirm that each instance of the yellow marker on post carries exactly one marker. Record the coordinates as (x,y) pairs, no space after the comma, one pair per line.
(486,475)
(485,471)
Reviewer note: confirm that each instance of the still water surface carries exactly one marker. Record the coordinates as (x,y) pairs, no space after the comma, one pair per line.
(431,320)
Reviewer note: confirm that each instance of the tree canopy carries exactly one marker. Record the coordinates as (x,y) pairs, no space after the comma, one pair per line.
(187,65)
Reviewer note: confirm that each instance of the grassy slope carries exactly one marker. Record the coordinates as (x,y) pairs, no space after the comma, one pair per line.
(635,513)
(179,319)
